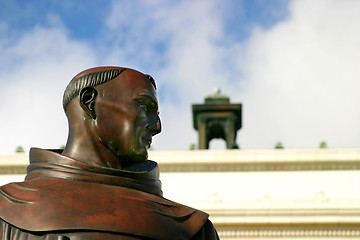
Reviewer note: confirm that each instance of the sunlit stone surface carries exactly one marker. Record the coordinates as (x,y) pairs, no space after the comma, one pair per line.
(257,194)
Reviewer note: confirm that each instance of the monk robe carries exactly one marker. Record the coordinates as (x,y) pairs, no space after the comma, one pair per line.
(62,198)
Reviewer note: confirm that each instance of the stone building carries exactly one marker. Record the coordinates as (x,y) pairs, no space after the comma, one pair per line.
(258,194)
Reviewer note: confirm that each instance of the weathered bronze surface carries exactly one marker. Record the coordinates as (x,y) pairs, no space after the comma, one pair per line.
(101,186)
(217,118)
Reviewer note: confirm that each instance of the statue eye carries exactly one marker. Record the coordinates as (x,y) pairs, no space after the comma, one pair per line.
(144,107)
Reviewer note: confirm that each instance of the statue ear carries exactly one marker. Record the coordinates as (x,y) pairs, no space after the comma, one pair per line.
(87,101)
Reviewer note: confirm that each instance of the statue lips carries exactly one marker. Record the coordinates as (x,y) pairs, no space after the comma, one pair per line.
(147,141)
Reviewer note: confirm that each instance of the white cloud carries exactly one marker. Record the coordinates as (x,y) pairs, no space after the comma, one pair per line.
(297,80)
(303,78)
(35,70)
(301,75)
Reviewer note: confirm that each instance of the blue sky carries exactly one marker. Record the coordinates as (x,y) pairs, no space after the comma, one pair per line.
(293,65)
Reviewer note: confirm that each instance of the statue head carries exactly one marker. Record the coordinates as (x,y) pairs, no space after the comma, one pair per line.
(112,114)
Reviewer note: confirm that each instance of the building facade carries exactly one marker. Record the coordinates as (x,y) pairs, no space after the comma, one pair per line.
(257,194)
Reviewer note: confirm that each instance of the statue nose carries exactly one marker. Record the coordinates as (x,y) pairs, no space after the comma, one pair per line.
(155,127)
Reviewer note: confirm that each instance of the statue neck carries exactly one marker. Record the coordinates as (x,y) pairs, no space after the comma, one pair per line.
(84,145)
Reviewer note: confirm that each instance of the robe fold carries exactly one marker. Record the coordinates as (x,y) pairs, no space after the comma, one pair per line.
(62,198)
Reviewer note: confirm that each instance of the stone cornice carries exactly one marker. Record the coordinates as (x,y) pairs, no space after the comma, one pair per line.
(289,231)
(230,160)
(257,160)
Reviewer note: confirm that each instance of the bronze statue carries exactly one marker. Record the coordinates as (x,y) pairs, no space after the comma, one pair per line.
(101,186)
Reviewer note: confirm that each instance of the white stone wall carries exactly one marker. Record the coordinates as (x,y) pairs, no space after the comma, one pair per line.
(258,194)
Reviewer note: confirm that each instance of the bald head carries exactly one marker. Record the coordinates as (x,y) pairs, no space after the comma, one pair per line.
(90,78)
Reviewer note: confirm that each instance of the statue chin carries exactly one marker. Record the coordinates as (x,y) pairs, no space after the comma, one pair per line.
(141,167)
(134,160)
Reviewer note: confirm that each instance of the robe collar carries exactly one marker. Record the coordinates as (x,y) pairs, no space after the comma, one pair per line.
(51,163)
(101,199)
